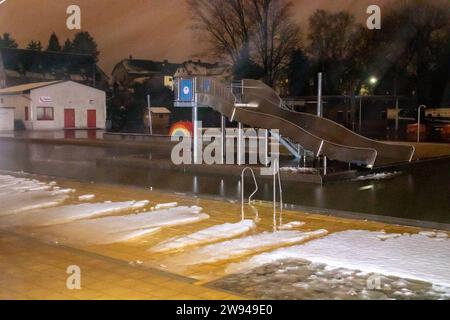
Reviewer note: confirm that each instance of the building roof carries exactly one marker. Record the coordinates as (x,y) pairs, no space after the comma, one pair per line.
(160,110)
(198,68)
(148,67)
(24,88)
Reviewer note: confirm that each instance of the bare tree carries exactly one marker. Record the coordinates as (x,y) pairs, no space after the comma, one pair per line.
(227,24)
(244,29)
(414,40)
(277,36)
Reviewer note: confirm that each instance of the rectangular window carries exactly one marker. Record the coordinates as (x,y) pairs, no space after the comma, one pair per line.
(44,113)
(27,114)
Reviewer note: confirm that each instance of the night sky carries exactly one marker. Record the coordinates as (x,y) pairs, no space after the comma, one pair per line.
(149,29)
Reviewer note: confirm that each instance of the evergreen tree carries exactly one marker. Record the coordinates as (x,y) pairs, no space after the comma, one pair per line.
(7,42)
(34,45)
(84,43)
(53,43)
(67,47)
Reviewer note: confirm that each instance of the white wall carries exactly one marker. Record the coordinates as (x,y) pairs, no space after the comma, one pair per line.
(68,95)
(6,119)
(17,101)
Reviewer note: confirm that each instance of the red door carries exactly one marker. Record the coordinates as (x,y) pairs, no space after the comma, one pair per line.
(92,118)
(69,118)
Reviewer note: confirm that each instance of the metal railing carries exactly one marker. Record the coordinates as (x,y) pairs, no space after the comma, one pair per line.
(276,173)
(243,190)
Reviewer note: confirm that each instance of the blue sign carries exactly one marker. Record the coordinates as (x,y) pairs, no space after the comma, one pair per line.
(186,90)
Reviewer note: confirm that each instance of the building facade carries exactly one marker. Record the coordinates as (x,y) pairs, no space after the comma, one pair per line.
(55,105)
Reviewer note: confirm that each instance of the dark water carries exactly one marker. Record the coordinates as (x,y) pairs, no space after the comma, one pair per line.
(422,193)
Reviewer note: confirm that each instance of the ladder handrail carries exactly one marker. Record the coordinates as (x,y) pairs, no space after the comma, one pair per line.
(276,172)
(243,189)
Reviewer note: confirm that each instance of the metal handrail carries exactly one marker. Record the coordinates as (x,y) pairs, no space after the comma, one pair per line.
(243,189)
(276,172)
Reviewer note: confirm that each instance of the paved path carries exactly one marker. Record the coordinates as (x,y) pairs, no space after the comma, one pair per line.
(31,270)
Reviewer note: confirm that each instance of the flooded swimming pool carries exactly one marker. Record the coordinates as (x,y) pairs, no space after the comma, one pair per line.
(421,193)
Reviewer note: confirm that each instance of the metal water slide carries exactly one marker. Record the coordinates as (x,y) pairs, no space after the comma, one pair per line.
(255,104)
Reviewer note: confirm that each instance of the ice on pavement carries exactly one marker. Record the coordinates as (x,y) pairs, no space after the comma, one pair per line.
(30,200)
(415,256)
(209,235)
(120,228)
(291,225)
(166,205)
(244,246)
(86,197)
(378,176)
(21,194)
(65,214)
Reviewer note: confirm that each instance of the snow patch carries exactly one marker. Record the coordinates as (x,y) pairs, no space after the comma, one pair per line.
(408,256)
(244,246)
(166,205)
(63,191)
(209,235)
(291,225)
(378,176)
(86,197)
(298,170)
(122,228)
(65,214)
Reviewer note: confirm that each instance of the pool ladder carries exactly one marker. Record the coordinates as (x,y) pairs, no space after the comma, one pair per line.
(243,190)
(276,178)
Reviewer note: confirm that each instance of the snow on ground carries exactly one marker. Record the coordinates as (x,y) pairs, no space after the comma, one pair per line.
(298,170)
(166,205)
(414,256)
(120,228)
(291,225)
(209,235)
(65,214)
(378,176)
(20,194)
(245,246)
(86,197)
(30,200)
(304,280)
(58,190)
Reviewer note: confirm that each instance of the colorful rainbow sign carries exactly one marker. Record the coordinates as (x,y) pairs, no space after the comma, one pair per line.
(181,129)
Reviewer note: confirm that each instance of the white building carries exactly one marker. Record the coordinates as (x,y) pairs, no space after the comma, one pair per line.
(6,119)
(56,105)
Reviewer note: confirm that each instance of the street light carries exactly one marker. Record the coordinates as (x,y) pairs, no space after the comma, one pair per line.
(373,80)
(418,121)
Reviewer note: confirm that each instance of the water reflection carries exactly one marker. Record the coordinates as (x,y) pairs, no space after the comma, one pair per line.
(421,193)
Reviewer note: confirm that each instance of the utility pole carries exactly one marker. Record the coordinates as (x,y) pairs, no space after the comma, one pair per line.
(319,96)
(150,124)
(418,121)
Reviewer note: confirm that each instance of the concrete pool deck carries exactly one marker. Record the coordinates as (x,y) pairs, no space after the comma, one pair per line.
(32,270)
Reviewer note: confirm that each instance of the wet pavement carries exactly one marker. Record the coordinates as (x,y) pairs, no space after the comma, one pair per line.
(420,193)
